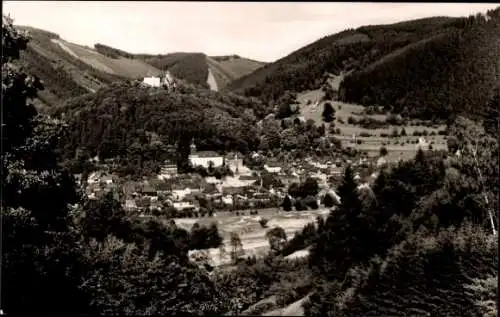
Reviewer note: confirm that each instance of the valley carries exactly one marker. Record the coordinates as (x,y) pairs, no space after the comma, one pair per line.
(355,176)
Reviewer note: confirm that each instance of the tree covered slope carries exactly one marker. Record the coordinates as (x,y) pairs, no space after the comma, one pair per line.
(429,67)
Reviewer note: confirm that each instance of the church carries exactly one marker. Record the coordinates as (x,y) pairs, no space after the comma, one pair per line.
(203,158)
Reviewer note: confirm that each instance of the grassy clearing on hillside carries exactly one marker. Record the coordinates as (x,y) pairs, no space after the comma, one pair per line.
(398,147)
(241,66)
(130,68)
(230,69)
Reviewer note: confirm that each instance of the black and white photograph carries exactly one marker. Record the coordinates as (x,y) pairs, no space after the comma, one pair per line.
(167,158)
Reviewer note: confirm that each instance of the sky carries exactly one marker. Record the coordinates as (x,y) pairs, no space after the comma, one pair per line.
(263,31)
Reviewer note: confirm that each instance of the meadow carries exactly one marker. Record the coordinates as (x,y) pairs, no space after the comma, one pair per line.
(251,233)
(368,140)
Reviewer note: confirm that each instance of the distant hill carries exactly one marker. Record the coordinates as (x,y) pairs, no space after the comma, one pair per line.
(429,67)
(70,70)
(125,116)
(194,67)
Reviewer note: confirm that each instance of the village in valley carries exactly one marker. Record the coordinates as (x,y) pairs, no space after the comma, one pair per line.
(191,158)
(245,193)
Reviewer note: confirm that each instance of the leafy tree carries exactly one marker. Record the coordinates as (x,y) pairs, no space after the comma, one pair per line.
(328,112)
(310,187)
(294,190)
(287,203)
(236,247)
(147,285)
(277,239)
(300,205)
(328,200)
(263,222)
(103,217)
(383,151)
(36,195)
(341,233)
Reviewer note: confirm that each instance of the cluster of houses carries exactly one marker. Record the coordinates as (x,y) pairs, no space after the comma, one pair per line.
(245,188)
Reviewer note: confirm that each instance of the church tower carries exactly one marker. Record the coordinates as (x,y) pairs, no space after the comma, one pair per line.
(192,148)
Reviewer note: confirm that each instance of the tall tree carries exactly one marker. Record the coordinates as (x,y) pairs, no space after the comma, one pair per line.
(40,248)
(287,203)
(236,247)
(328,112)
(277,239)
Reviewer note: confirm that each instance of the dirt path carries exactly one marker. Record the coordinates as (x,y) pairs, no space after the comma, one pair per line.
(211,81)
(64,48)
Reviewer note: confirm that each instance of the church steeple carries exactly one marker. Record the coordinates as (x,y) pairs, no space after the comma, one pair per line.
(193,147)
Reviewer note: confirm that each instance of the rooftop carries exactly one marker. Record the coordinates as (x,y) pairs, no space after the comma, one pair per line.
(206,154)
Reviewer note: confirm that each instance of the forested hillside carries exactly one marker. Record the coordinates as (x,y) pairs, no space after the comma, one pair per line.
(426,68)
(420,241)
(193,67)
(123,118)
(348,50)
(454,72)
(145,126)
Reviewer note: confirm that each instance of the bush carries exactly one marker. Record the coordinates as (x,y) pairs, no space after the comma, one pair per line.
(311,202)
(383,135)
(383,151)
(340,120)
(442,132)
(359,141)
(351,120)
(365,134)
(300,205)
(263,222)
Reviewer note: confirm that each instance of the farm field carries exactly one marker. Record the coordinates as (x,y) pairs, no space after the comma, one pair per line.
(252,235)
(402,147)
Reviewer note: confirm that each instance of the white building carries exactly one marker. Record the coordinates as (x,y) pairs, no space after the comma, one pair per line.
(272,168)
(204,158)
(152,81)
(422,143)
(181,205)
(157,81)
(179,194)
(168,171)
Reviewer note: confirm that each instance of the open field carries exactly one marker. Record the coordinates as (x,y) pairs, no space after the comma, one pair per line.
(251,233)
(398,147)
(130,68)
